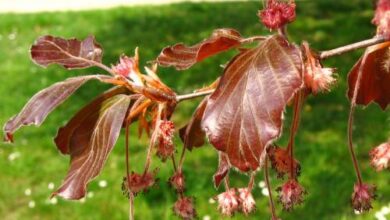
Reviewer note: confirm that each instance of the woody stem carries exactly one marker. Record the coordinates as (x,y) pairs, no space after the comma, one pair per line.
(347,48)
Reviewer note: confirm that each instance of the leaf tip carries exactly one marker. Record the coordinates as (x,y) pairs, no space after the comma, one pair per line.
(53,194)
(8,137)
(69,193)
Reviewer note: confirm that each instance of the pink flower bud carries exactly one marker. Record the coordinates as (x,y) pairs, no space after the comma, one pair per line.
(184,208)
(126,66)
(277,14)
(382,18)
(380,156)
(291,194)
(317,79)
(165,146)
(227,202)
(362,196)
(247,202)
(288,11)
(177,181)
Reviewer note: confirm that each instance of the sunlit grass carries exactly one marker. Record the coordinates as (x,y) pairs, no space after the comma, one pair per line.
(33,164)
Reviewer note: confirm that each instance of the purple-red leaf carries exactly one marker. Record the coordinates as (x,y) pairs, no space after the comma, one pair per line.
(42,103)
(223,169)
(77,132)
(183,57)
(375,81)
(192,134)
(69,53)
(244,115)
(86,163)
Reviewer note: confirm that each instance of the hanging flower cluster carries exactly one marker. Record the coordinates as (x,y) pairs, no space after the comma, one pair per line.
(234,200)
(277,14)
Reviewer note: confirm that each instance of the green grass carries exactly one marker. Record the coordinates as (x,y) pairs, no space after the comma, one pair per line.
(321,144)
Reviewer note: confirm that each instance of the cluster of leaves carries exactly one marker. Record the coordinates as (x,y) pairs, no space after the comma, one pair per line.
(241,114)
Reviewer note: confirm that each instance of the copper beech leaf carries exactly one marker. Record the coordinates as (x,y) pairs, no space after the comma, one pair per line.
(69,53)
(86,163)
(223,169)
(77,132)
(183,57)
(192,134)
(244,115)
(375,81)
(45,101)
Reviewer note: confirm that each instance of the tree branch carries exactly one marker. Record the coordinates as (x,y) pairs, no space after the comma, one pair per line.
(322,55)
(351,47)
(180,98)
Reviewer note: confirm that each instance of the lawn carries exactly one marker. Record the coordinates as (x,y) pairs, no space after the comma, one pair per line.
(32,165)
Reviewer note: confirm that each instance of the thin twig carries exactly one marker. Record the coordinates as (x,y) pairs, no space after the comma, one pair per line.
(102,66)
(351,47)
(180,98)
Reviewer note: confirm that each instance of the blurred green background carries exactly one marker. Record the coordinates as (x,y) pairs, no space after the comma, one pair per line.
(32,166)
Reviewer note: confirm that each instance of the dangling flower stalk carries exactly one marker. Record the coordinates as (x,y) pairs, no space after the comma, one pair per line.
(226,183)
(153,138)
(183,152)
(271,201)
(246,201)
(351,120)
(298,101)
(177,170)
(131,195)
(174,163)
(251,181)
(228,203)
